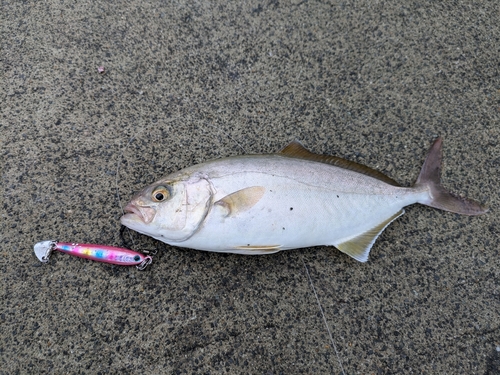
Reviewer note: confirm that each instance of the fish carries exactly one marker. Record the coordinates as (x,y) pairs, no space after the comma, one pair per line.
(263,204)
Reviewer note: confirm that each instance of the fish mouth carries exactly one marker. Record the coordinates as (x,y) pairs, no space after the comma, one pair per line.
(132,209)
(144,214)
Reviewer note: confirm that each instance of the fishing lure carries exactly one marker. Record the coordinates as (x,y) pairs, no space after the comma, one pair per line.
(100,253)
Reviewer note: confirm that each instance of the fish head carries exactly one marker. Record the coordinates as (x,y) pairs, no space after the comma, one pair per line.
(170,210)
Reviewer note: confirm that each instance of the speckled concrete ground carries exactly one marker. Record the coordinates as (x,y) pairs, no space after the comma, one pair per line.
(186,81)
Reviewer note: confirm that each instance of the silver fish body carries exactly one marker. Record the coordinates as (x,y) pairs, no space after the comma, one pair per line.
(261,204)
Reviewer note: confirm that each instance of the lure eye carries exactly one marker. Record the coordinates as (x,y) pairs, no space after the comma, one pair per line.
(137,258)
(160,194)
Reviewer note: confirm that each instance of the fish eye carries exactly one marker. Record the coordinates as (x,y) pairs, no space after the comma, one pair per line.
(137,258)
(160,193)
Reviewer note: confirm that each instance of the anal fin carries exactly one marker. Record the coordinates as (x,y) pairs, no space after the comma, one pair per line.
(359,247)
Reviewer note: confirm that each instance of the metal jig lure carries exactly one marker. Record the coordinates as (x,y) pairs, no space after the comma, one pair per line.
(100,253)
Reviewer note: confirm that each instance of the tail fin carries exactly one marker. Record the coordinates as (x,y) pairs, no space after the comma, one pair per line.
(439,197)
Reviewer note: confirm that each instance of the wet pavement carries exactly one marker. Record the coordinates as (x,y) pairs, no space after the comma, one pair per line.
(99,99)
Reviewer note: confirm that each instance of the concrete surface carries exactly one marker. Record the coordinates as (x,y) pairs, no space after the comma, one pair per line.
(185,81)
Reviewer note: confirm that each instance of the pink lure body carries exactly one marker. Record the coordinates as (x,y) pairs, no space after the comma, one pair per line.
(102,253)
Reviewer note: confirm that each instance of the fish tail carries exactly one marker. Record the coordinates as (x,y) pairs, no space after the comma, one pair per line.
(439,197)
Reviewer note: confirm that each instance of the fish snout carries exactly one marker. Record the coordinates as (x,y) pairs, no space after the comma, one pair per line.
(144,213)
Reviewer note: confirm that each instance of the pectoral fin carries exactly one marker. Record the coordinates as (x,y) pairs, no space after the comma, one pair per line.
(241,200)
(359,247)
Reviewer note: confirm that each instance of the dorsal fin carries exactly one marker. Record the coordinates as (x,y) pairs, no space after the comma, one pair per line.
(296,150)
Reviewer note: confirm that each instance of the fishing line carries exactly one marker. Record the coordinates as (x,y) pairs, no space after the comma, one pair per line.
(305,266)
(118,164)
(323,315)
(227,135)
